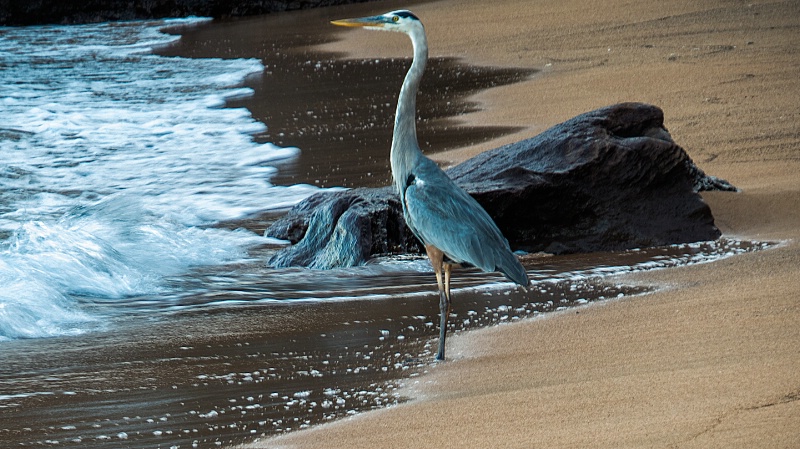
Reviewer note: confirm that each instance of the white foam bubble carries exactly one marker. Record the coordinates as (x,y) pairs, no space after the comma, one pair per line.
(29,308)
(110,250)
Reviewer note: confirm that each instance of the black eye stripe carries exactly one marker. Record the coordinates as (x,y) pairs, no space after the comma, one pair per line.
(406,15)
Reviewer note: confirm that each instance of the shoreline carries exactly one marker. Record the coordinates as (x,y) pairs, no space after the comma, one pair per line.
(708,360)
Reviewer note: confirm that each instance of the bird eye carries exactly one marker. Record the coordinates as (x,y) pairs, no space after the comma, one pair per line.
(395,19)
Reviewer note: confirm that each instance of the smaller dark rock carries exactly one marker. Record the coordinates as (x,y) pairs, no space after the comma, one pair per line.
(343,229)
(707,183)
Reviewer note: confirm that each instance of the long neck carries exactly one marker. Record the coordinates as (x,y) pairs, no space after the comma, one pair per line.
(405,148)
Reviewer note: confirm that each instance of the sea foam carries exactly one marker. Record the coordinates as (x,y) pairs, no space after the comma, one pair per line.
(112,161)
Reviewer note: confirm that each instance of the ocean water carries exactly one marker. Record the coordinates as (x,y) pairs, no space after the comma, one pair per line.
(113,162)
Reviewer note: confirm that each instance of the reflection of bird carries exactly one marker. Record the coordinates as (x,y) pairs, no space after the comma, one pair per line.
(453,227)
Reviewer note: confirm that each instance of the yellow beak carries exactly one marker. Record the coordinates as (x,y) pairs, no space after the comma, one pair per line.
(377,21)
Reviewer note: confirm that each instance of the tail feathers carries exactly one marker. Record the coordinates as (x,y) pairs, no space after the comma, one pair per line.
(510,266)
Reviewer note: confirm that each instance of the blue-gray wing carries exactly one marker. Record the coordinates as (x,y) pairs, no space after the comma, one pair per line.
(443,215)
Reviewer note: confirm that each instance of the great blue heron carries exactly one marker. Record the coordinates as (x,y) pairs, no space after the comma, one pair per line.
(454,228)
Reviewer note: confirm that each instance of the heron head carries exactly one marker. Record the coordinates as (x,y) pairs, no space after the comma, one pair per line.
(402,21)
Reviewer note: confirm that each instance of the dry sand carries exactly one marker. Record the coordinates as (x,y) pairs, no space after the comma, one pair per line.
(710,360)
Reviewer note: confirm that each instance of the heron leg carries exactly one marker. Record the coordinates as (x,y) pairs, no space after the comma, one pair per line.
(444,310)
(437,262)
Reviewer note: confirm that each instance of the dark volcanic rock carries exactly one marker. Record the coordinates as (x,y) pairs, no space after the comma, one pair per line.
(32,12)
(609,179)
(343,229)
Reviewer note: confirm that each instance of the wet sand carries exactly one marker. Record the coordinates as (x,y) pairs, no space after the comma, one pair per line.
(709,360)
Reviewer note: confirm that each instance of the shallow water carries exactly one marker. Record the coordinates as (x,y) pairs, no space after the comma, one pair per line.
(111,158)
(247,351)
